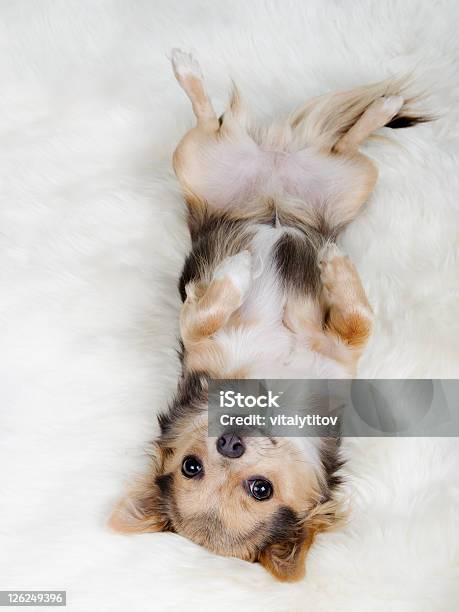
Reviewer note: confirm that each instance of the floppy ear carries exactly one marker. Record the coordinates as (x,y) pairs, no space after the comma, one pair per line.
(285,557)
(142,509)
(138,511)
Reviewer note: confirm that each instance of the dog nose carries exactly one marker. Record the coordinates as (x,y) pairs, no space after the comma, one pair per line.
(230,445)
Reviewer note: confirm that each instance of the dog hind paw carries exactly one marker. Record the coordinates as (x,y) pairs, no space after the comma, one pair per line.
(185,64)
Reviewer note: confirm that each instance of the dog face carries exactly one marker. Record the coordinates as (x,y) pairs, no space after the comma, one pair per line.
(256,498)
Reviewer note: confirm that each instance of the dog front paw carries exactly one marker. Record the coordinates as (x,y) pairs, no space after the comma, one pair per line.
(336,269)
(238,269)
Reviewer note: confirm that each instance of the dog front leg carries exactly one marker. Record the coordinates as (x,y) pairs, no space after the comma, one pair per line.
(207,310)
(349,317)
(339,325)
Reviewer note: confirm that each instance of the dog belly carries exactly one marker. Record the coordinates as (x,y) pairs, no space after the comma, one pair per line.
(244,172)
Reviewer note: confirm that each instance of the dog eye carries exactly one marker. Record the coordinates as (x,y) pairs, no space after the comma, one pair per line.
(191,467)
(260,489)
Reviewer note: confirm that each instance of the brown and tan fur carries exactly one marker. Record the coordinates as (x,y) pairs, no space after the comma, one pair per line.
(278,195)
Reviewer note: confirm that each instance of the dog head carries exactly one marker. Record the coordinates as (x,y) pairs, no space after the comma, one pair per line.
(257,498)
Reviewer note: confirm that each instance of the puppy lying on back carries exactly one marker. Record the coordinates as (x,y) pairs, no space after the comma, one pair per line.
(267,294)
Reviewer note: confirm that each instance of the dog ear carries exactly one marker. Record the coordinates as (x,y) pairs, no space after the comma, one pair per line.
(138,512)
(285,557)
(142,509)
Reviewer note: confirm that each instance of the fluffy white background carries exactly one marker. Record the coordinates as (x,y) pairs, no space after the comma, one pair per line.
(92,239)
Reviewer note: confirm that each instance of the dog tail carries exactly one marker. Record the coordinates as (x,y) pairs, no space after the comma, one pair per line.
(322,121)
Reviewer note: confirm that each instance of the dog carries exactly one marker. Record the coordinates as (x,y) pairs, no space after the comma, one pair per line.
(267,293)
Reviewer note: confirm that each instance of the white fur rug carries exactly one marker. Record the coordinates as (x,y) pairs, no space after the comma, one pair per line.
(92,239)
